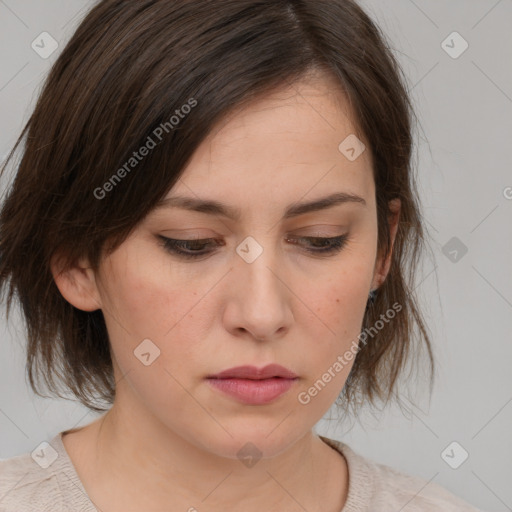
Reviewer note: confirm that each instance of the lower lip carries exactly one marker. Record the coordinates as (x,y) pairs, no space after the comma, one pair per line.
(254,392)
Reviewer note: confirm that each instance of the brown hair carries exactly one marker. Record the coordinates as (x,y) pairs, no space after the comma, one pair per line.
(130,67)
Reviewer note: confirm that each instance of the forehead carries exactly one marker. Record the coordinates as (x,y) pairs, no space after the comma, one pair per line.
(281,146)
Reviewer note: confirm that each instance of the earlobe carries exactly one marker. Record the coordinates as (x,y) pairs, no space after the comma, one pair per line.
(383,266)
(77,284)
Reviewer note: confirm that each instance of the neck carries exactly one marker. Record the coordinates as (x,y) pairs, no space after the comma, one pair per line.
(128,450)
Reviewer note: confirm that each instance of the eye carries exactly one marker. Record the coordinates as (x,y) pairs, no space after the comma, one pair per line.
(319,245)
(187,248)
(195,248)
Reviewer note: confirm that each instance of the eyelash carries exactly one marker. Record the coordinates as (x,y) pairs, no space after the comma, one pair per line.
(172,245)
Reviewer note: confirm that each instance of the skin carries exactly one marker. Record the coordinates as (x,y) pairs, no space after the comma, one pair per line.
(168,431)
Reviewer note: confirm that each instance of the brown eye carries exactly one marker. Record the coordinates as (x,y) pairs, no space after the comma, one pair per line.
(188,248)
(319,245)
(196,248)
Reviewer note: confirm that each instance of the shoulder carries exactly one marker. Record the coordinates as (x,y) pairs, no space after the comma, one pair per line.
(26,486)
(422,495)
(374,486)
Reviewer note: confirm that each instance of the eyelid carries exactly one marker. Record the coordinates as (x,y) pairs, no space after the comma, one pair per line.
(320,230)
(335,245)
(184,233)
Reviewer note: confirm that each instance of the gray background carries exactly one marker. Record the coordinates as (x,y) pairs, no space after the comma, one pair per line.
(464,106)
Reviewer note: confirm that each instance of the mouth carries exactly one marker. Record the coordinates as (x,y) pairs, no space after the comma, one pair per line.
(253,391)
(254,386)
(251,372)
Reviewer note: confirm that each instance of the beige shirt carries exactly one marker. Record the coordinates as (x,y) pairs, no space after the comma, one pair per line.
(48,482)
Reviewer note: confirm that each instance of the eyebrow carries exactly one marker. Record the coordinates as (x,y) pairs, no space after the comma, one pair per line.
(213,207)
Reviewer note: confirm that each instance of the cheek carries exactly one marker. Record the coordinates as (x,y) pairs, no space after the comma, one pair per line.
(333,340)
(148,302)
(336,329)
(146,299)
(340,299)
(338,302)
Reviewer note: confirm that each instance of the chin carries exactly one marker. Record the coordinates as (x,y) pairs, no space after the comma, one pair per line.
(252,443)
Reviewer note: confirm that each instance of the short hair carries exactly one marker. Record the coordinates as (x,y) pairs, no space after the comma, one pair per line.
(127,72)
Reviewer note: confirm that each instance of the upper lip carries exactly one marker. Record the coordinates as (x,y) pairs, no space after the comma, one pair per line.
(251,372)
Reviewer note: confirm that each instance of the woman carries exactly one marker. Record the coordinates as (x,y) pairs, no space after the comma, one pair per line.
(209,231)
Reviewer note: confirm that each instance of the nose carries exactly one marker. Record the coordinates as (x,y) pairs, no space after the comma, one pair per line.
(259,299)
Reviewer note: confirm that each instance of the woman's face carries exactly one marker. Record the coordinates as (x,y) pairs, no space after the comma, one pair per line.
(258,294)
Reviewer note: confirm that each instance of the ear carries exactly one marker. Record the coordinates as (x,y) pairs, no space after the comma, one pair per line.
(383,263)
(77,284)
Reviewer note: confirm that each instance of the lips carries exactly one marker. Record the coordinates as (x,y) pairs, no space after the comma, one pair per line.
(251,372)
(254,386)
